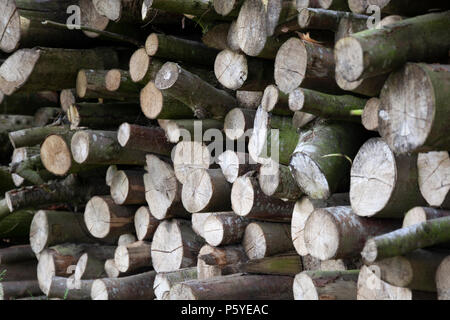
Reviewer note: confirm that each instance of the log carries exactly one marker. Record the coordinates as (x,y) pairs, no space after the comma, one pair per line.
(282,265)
(404,7)
(236,71)
(198,221)
(163,190)
(322,19)
(33,136)
(337,232)
(232,37)
(12,290)
(120,82)
(46,116)
(106,220)
(36,70)
(21,156)
(321,159)
(14,254)
(27,103)
(238,122)
(370,87)
(224,229)
(50,228)
(227,7)
(264,239)
(351,24)
(371,287)
(442,283)
(190,156)
(72,189)
(326,285)
(16,225)
(324,105)
(205,100)
(178,49)
(249,99)
(186,128)
(235,164)
(430,107)
(145,223)
(63,289)
(165,281)
(18,271)
(136,287)
(90,266)
(31,170)
(276,180)
(303,209)
(304,63)
(68,97)
(133,256)
(212,262)
(275,101)
(415,270)
(433,178)
(127,187)
(143,68)
(102,147)
(6,179)
(405,240)
(217,36)
(206,191)
(145,139)
(91,84)
(301,119)
(369,118)
(175,246)
(159,104)
(235,287)
(126,239)
(393,178)
(422,214)
(382,51)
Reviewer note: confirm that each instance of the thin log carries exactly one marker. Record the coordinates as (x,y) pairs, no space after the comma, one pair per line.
(370,87)
(133,256)
(12,290)
(146,139)
(213,262)
(369,118)
(275,101)
(237,122)
(235,164)
(34,136)
(422,214)
(442,281)
(145,224)
(127,187)
(18,253)
(224,229)
(188,128)
(165,281)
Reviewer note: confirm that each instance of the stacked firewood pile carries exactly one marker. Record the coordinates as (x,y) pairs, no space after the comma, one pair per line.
(224,149)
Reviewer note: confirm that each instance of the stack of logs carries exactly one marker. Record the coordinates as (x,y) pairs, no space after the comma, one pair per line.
(330,181)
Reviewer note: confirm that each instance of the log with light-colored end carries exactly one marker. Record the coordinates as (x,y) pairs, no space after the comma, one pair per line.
(276,180)
(369,117)
(55,155)
(235,164)
(175,246)
(370,87)
(421,214)
(165,281)
(227,7)
(213,261)
(190,156)
(249,99)
(140,63)
(224,229)
(145,223)
(126,239)
(383,184)
(275,101)
(326,285)
(337,232)
(127,187)
(263,239)
(443,279)
(206,190)
(238,122)
(133,256)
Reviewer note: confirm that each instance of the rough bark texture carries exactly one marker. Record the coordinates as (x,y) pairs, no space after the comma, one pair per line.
(165,281)
(127,187)
(12,290)
(224,229)
(214,262)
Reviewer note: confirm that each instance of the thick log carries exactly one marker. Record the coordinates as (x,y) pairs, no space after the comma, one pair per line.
(145,224)
(206,191)
(205,100)
(369,118)
(235,164)
(36,70)
(72,189)
(303,209)
(12,290)
(142,67)
(136,287)
(102,147)
(263,239)
(63,289)
(371,287)
(416,270)
(236,71)
(326,285)
(18,271)
(442,281)
(224,229)
(276,181)
(190,156)
(34,136)
(392,181)
(378,51)
(18,253)
(27,103)
(145,139)
(235,287)
(106,220)
(249,99)
(178,49)
(163,190)
(433,168)
(275,101)
(420,128)
(403,7)
(198,221)
(213,262)
(54,227)
(133,256)
(127,187)
(175,246)
(165,281)
(337,232)
(16,225)
(422,214)
(321,159)
(238,122)
(325,105)
(405,240)
(304,63)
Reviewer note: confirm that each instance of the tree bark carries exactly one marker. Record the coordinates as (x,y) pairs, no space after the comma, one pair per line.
(422,214)
(401,130)
(263,239)
(217,37)
(127,187)
(175,246)
(433,178)
(34,136)
(442,281)
(369,118)
(249,99)
(326,285)
(213,262)
(392,181)
(165,281)
(390,47)
(407,239)
(18,271)
(224,229)
(12,290)
(27,103)
(145,224)
(14,254)
(16,225)
(337,232)
(322,19)
(282,265)
(60,288)
(133,256)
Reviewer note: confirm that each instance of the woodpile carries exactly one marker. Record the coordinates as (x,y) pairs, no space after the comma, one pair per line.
(224,150)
